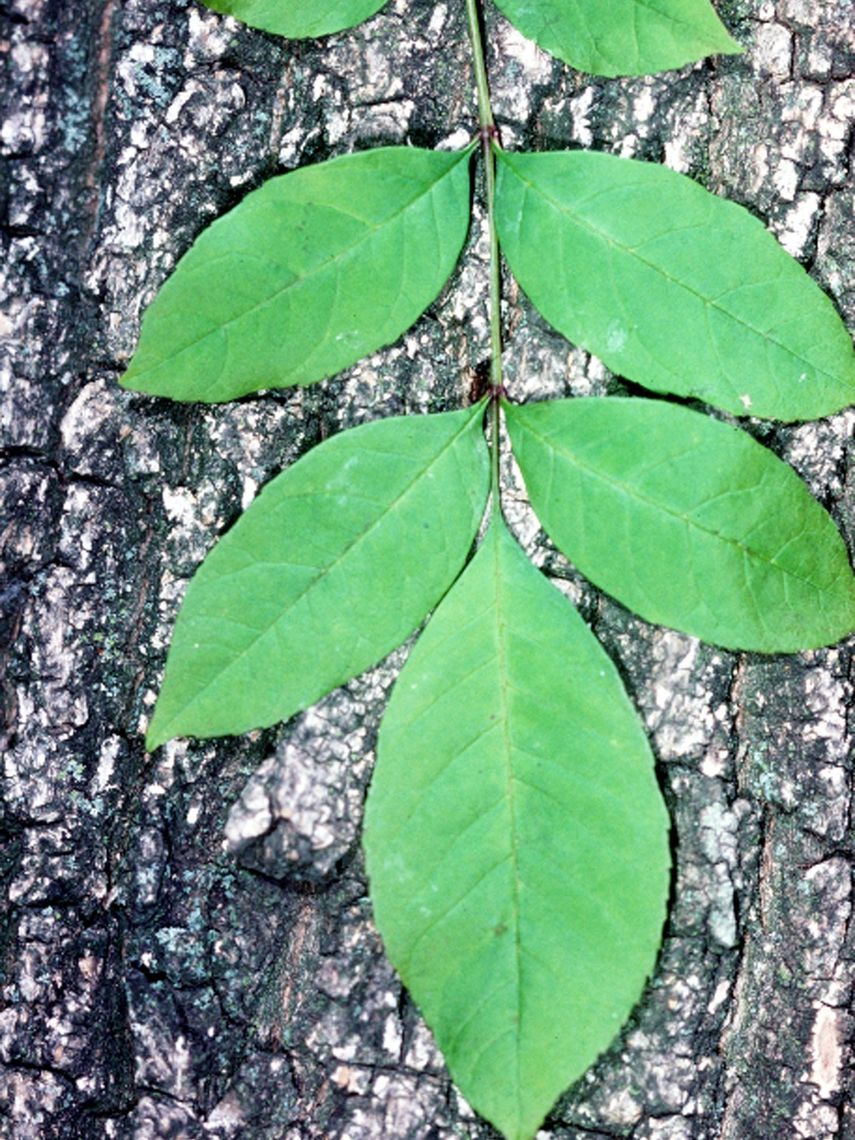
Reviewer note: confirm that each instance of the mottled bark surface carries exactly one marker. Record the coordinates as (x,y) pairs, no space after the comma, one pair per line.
(186,948)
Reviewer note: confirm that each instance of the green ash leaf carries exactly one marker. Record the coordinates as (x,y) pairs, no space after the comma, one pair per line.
(298,19)
(671,286)
(307,275)
(622,37)
(335,563)
(686,520)
(516,841)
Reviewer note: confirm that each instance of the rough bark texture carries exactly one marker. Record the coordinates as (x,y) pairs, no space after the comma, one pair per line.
(186,947)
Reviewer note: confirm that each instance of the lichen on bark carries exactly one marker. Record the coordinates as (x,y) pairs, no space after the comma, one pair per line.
(186,943)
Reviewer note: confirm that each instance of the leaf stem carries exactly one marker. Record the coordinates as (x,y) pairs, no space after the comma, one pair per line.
(488,139)
(485,111)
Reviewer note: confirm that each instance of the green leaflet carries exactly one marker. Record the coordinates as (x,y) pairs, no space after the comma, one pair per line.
(671,286)
(307,275)
(622,37)
(687,521)
(515,838)
(334,564)
(298,19)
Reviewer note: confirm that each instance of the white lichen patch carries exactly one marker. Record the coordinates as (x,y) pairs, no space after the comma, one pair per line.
(773,49)
(667,1128)
(818,451)
(827,887)
(524,66)
(826,1052)
(721,995)
(422,1052)
(801,12)
(795,228)
(580,117)
(622,1109)
(718,825)
(438,19)
(685,139)
(677,702)
(208,36)
(816,1122)
(24,128)
(536,64)
(85,426)
(398,1106)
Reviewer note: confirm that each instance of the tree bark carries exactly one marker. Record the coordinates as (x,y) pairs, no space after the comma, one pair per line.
(186,947)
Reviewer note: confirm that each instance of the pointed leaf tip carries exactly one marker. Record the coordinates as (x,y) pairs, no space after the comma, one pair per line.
(333,566)
(308,274)
(516,840)
(698,526)
(671,286)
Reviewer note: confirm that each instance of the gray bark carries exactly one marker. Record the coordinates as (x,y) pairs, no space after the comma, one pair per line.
(186,947)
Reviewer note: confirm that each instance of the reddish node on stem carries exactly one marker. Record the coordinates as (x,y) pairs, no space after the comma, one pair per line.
(487,134)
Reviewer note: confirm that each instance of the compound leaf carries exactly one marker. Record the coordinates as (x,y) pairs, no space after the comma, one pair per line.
(686,520)
(308,274)
(335,563)
(298,19)
(516,840)
(622,37)
(671,286)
